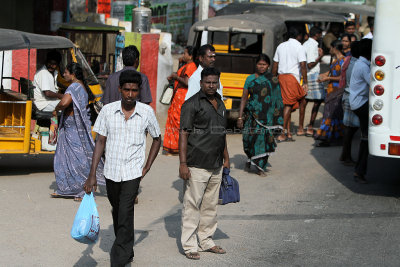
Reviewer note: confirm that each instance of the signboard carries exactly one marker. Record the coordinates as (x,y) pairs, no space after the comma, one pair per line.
(174,16)
(122,10)
(104,7)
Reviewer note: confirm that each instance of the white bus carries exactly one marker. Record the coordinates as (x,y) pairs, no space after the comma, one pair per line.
(384,97)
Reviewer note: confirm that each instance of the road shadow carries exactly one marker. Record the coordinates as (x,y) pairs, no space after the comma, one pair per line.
(179,185)
(382,175)
(173,226)
(19,164)
(87,259)
(106,240)
(238,161)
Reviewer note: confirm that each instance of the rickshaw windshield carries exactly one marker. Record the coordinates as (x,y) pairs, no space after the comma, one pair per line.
(90,77)
(239,42)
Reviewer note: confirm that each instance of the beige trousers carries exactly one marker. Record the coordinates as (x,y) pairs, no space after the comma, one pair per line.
(199,214)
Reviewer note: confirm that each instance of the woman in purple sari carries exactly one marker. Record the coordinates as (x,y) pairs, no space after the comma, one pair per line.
(75,143)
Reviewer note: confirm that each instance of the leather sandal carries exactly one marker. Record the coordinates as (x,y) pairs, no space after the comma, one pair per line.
(193,256)
(216,250)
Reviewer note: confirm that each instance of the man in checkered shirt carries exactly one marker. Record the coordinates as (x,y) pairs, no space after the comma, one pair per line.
(121,127)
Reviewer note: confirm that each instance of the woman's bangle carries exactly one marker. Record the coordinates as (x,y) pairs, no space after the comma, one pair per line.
(240,118)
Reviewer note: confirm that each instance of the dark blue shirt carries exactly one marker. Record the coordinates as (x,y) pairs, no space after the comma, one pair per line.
(112,94)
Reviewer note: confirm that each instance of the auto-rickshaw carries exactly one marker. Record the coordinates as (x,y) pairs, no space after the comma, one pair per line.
(18,115)
(239,39)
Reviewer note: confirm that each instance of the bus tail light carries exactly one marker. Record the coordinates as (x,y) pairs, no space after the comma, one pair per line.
(379,90)
(379,75)
(380,61)
(383,147)
(394,149)
(395,138)
(377,119)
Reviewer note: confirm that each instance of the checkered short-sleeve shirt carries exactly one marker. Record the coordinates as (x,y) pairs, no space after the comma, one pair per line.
(126,139)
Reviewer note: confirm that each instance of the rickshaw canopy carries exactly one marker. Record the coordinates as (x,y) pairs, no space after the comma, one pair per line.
(285,13)
(14,40)
(300,14)
(89,27)
(247,23)
(342,8)
(272,30)
(239,8)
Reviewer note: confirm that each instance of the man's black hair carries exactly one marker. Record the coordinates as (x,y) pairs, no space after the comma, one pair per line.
(129,55)
(366,48)
(355,49)
(203,49)
(53,55)
(263,57)
(294,32)
(130,76)
(315,30)
(136,51)
(370,21)
(349,24)
(210,71)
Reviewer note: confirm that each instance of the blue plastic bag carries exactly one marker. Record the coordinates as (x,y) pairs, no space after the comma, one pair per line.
(86,226)
(229,190)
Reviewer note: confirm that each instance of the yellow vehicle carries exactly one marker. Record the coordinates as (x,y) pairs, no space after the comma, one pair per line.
(18,115)
(239,39)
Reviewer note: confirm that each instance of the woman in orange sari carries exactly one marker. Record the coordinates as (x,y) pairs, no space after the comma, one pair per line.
(181,78)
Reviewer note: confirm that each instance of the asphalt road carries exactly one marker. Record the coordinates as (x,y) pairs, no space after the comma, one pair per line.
(308,211)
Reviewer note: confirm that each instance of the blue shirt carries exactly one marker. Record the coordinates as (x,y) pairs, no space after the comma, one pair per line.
(359,83)
(349,71)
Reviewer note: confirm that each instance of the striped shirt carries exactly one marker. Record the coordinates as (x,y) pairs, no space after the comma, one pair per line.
(126,139)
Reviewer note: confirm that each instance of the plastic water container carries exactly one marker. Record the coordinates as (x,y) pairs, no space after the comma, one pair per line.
(45,142)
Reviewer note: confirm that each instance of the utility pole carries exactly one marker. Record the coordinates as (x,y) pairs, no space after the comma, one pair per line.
(203,15)
(193,12)
(203,9)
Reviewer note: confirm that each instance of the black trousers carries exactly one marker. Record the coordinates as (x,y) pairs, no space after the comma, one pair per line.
(122,197)
(361,166)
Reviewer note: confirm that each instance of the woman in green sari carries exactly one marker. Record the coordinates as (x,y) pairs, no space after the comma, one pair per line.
(260,115)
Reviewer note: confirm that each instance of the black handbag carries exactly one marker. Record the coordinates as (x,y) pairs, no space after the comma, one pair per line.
(229,190)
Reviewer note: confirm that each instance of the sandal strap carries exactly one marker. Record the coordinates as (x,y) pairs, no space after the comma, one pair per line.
(193,255)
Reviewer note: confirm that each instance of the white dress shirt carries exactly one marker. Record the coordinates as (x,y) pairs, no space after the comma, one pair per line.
(289,54)
(194,84)
(44,81)
(311,47)
(126,139)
